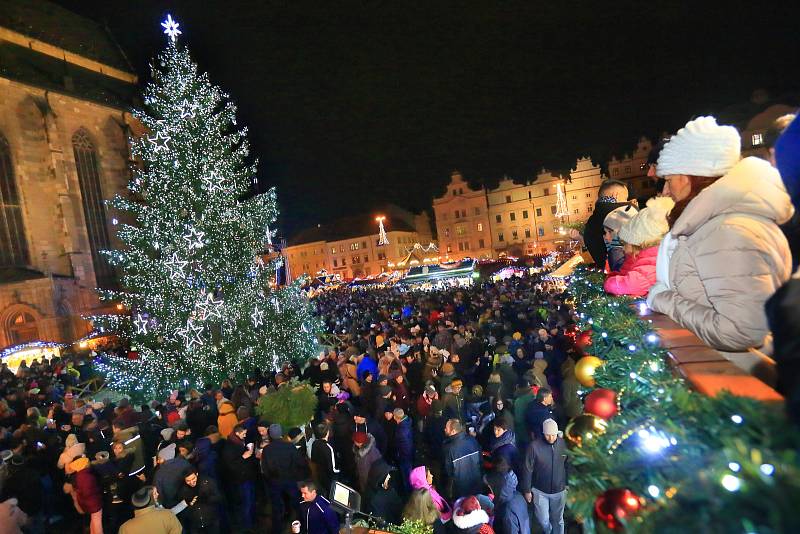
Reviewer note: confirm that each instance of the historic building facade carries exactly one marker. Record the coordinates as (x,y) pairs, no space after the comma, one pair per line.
(63,152)
(351,247)
(462,221)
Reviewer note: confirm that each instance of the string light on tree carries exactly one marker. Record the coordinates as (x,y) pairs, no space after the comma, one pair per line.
(194,177)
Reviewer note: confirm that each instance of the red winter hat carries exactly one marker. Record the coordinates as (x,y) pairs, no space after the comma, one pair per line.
(468,505)
(360,438)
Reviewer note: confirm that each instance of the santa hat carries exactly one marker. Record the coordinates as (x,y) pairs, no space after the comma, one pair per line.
(617,218)
(469,504)
(701,148)
(649,225)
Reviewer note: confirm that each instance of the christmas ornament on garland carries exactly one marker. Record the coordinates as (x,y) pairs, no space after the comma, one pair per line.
(585,368)
(602,403)
(584,428)
(614,507)
(583,340)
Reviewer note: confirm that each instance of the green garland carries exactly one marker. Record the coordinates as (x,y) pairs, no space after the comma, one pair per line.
(724,464)
(291,405)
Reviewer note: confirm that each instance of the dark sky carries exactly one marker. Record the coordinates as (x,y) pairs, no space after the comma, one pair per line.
(354,104)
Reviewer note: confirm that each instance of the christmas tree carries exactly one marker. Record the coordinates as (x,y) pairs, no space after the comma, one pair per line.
(195,269)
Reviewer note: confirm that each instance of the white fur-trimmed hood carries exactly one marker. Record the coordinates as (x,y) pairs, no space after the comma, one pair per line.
(472,519)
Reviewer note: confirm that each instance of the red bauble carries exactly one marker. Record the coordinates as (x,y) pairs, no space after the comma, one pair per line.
(616,504)
(602,403)
(583,340)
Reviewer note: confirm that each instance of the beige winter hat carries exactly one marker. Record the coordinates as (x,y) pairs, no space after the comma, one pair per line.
(650,224)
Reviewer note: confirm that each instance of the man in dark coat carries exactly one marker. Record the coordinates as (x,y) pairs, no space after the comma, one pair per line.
(384,501)
(510,509)
(283,467)
(611,195)
(203,500)
(324,458)
(461,462)
(538,411)
(544,477)
(366,453)
(316,515)
(503,447)
(404,445)
(238,462)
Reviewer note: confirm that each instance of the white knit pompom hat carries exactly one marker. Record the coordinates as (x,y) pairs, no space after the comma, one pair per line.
(701,148)
(650,224)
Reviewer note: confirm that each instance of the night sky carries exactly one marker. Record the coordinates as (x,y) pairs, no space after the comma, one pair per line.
(355,104)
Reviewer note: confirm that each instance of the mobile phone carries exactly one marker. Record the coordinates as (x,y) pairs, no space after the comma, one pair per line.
(39,445)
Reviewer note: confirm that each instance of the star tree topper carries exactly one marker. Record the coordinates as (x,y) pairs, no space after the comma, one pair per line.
(171,28)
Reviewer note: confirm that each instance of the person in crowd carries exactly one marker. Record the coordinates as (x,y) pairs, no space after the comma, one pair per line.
(421,477)
(238,462)
(366,453)
(226,419)
(87,493)
(791,228)
(316,514)
(470,518)
(461,461)
(503,446)
(611,225)
(641,236)
(421,507)
(283,467)
(724,255)
(383,499)
(510,509)
(612,194)
(203,500)
(148,518)
(539,411)
(544,478)
(362,422)
(324,458)
(404,444)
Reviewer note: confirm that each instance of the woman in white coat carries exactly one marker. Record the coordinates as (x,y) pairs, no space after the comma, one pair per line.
(724,255)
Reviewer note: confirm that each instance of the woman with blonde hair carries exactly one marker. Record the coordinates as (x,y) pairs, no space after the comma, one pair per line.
(420,507)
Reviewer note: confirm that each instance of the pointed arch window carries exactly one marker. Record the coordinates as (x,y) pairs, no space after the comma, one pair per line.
(94,212)
(13,246)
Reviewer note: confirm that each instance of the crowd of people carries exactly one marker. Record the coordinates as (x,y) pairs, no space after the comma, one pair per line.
(444,407)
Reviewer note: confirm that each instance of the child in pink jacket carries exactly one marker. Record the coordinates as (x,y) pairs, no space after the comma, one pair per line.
(640,236)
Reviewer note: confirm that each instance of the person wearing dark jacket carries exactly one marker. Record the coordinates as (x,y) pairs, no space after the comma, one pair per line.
(206,453)
(323,457)
(404,444)
(503,447)
(168,477)
(283,467)
(510,509)
(461,462)
(316,515)
(366,453)
(384,501)
(544,478)
(538,411)
(611,195)
(362,422)
(238,462)
(203,501)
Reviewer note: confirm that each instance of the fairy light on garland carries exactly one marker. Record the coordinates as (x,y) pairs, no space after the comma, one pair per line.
(666,440)
(192,246)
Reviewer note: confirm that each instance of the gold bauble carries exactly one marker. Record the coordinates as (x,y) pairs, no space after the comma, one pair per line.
(585,368)
(584,428)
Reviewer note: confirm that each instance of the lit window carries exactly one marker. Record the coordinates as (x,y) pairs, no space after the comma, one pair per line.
(447,232)
(758,139)
(88,168)
(13,247)
(480,227)
(449,249)
(459,230)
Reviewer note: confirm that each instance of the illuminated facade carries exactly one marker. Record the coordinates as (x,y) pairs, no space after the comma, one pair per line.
(351,246)
(63,151)
(462,221)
